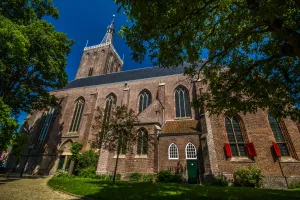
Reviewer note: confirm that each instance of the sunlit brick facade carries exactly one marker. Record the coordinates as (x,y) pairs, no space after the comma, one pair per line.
(166,117)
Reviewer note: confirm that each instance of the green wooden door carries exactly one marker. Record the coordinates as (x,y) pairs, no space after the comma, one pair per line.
(192,168)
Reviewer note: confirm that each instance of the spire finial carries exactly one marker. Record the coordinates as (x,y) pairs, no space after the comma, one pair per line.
(113,20)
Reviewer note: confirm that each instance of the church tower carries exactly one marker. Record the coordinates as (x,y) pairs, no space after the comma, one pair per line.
(100,59)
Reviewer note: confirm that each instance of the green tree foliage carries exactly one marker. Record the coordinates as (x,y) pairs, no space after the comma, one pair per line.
(116,130)
(87,159)
(32,54)
(18,142)
(8,125)
(75,149)
(253,48)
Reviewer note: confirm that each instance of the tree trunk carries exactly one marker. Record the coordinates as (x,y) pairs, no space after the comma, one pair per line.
(117,160)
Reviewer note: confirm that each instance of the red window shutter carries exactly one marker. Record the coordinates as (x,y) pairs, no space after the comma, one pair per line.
(251,149)
(228,150)
(276,149)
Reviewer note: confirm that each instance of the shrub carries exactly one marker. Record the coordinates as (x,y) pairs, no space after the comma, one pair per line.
(88,172)
(108,177)
(147,178)
(62,174)
(294,185)
(135,176)
(87,159)
(220,180)
(248,177)
(168,177)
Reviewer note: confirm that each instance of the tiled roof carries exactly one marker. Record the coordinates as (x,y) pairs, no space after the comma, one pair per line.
(124,76)
(181,127)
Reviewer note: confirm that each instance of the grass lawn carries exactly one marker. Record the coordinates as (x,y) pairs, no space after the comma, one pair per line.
(98,189)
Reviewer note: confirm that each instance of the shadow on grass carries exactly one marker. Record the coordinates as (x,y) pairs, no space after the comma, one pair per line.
(97,189)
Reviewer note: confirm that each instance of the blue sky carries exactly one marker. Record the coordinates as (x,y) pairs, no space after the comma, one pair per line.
(84,20)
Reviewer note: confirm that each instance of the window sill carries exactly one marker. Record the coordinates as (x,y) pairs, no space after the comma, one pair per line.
(173,158)
(182,118)
(141,156)
(241,159)
(288,159)
(71,134)
(120,156)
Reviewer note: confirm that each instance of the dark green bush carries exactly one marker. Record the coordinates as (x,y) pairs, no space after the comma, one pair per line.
(135,176)
(147,178)
(248,177)
(87,159)
(88,172)
(62,174)
(168,177)
(219,180)
(294,185)
(108,177)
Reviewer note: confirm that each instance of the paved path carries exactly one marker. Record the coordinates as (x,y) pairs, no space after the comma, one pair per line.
(30,189)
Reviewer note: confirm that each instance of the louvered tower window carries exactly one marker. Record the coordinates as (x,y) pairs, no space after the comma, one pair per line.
(91,71)
(235,137)
(77,115)
(279,137)
(182,103)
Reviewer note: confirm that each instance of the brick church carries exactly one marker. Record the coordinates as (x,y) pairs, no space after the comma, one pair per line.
(197,144)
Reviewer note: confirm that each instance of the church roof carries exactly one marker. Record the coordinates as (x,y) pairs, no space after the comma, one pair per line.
(124,76)
(181,127)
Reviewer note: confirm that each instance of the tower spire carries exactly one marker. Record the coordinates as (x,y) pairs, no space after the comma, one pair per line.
(108,38)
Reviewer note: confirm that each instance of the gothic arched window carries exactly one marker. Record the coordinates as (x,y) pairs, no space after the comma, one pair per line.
(145,100)
(173,152)
(279,137)
(142,147)
(182,102)
(235,137)
(77,115)
(110,102)
(46,122)
(190,151)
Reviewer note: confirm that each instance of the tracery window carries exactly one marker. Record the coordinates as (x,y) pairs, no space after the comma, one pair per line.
(235,137)
(190,151)
(173,151)
(110,102)
(182,102)
(123,145)
(142,147)
(279,137)
(46,122)
(145,100)
(77,115)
